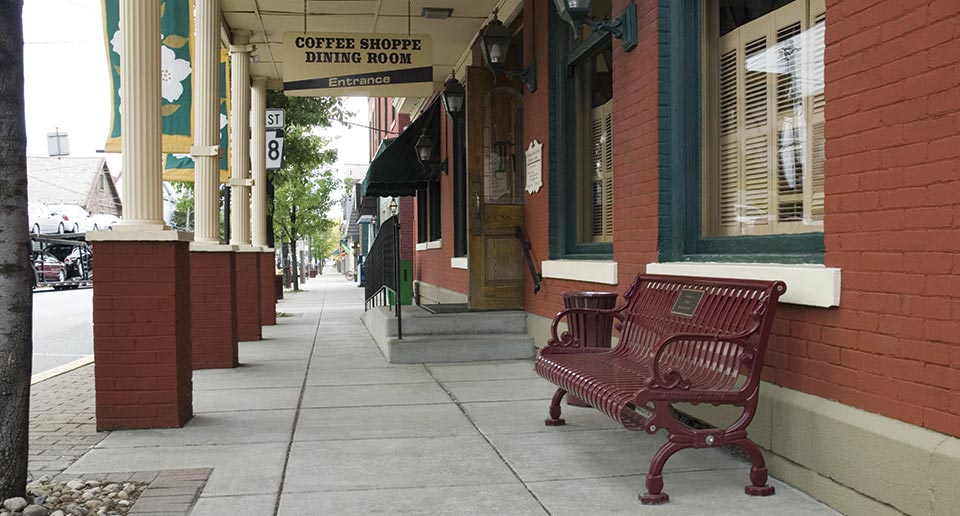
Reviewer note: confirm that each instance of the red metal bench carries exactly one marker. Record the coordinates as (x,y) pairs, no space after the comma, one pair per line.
(681,339)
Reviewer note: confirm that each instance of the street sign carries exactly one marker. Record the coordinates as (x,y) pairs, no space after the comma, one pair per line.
(275,149)
(275,118)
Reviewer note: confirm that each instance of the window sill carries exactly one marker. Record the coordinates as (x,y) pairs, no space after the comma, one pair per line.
(809,285)
(459,262)
(424,246)
(581,270)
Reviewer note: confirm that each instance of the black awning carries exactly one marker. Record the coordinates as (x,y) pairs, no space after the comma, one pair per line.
(396,170)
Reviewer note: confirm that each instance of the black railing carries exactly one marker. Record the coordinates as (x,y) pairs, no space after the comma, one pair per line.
(382,270)
(525,243)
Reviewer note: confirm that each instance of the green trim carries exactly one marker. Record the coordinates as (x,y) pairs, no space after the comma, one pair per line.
(679,117)
(459,188)
(562,180)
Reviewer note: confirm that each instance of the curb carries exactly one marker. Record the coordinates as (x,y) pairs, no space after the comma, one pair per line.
(57,371)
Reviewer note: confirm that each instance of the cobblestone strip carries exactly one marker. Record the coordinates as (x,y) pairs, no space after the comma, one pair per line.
(168,492)
(62,421)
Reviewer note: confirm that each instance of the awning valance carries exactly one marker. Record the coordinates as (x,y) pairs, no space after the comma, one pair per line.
(396,170)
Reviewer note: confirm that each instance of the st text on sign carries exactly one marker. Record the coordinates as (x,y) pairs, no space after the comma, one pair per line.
(358,65)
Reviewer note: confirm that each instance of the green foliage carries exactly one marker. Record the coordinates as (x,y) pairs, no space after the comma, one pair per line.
(327,242)
(303,188)
(308,111)
(184,214)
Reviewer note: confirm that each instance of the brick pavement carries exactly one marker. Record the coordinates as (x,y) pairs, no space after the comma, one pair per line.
(62,421)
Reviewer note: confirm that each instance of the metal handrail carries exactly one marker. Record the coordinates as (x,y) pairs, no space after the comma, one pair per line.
(382,270)
(527,246)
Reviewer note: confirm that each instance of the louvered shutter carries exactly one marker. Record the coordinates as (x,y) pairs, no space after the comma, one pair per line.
(601,172)
(816,121)
(729,177)
(787,62)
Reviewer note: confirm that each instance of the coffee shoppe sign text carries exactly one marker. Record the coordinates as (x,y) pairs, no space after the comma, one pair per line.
(337,64)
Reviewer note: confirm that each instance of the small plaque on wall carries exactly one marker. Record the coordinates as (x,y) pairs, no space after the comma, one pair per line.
(534,167)
(687,302)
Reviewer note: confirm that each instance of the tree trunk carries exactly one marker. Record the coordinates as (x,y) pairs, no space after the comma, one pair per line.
(16,303)
(295,268)
(285,264)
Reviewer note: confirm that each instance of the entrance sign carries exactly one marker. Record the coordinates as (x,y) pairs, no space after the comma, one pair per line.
(534,167)
(359,65)
(275,149)
(275,118)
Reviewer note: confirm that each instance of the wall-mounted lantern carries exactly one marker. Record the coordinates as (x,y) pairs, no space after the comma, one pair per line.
(495,42)
(453,97)
(624,27)
(425,152)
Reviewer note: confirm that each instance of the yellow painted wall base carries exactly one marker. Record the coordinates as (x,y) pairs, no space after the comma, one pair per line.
(432,294)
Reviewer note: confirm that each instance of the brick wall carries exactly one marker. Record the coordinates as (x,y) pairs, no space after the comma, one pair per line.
(892,218)
(268,301)
(634,162)
(141,328)
(248,296)
(213,304)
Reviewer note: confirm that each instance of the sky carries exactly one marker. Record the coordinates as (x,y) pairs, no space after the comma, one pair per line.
(68,85)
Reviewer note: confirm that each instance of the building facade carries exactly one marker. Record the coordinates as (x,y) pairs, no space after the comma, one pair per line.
(811,141)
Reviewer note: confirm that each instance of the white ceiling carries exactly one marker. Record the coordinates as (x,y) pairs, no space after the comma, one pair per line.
(267,20)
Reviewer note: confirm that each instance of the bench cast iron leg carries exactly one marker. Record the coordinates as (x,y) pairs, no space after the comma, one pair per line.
(758,472)
(555,419)
(655,494)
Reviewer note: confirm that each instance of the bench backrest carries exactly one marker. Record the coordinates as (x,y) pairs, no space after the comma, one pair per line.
(658,307)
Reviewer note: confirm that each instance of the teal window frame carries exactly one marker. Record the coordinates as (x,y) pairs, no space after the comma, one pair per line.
(680,101)
(563,232)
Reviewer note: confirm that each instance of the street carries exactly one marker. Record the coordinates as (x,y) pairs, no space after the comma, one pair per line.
(62,327)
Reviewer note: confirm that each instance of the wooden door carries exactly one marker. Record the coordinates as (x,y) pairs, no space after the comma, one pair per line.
(495,173)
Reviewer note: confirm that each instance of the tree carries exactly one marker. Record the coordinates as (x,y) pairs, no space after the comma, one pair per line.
(184,213)
(328,241)
(16,299)
(302,191)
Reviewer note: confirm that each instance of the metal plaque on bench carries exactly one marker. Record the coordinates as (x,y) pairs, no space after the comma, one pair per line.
(687,302)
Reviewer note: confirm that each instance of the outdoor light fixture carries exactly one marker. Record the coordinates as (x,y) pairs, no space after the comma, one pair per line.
(496,41)
(425,151)
(393,206)
(453,97)
(624,28)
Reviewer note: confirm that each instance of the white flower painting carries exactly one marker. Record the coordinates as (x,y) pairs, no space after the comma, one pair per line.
(173,71)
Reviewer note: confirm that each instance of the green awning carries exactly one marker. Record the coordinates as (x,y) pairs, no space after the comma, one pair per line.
(395,170)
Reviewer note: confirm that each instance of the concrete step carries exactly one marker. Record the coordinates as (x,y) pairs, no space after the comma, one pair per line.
(424,349)
(417,321)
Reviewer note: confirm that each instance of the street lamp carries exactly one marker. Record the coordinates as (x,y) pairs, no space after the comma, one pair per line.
(393,206)
(624,27)
(453,97)
(495,39)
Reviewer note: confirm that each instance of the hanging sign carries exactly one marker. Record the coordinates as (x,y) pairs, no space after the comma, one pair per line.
(534,167)
(357,65)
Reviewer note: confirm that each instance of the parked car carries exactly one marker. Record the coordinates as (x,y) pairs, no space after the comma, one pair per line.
(43,221)
(103,221)
(47,268)
(78,258)
(75,218)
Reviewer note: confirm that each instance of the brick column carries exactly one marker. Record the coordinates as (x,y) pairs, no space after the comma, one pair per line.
(141,317)
(268,301)
(248,295)
(213,301)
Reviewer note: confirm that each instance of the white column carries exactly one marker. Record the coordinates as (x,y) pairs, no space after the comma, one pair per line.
(140,114)
(240,140)
(206,125)
(258,160)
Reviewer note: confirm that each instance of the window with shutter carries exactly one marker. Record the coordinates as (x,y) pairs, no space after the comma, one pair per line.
(595,113)
(766,126)
(601,178)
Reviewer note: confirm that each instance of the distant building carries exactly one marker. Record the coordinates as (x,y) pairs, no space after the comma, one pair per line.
(85,182)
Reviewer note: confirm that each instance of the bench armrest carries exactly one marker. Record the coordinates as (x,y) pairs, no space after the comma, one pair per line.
(665,377)
(568,340)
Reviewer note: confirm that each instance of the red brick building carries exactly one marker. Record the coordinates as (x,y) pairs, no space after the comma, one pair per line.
(811,141)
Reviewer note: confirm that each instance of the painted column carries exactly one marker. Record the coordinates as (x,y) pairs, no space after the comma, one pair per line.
(240,140)
(206,125)
(141,300)
(258,160)
(140,114)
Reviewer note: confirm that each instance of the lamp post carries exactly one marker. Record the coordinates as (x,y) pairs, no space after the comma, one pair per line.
(394,209)
(454,98)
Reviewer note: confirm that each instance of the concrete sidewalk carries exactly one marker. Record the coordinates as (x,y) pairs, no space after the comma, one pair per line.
(315,422)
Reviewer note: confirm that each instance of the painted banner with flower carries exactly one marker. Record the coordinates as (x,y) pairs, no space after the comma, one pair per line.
(180,167)
(176,53)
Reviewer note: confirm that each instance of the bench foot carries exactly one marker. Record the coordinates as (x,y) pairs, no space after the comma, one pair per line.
(759,486)
(555,419)
(654,494)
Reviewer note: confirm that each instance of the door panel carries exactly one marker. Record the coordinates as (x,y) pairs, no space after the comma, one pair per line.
(494,152)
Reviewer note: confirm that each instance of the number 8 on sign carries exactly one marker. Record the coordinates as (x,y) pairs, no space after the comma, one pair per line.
(275,149)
